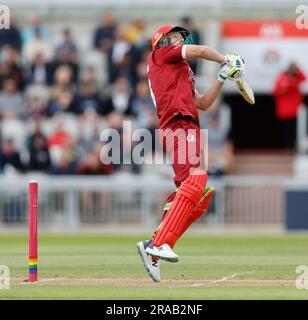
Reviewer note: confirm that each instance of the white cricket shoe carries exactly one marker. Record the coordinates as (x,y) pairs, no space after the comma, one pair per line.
(151,264)
(163,252)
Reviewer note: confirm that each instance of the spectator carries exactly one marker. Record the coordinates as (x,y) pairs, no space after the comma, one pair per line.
(220,147)
(63,78)
(135,32)
(91,163)
(10,68)
(139,65)
(107,108)
(288,98)
(39,153)
(87,98)
(36,107)
(10,37)
(62,147)
(143,107)
(119,57)
(105,33)
(59,138)
(28,33)
(37,46)
(90,75)
(38,71)
(37,131)
(62,86)
(89,134)
(141,70)
(66,164)
(16,69)
(187,23)
(64,59)
(12,103)
(37,97)
(115,120)
(121,97)
(9,157)
(67,46)
(64,102)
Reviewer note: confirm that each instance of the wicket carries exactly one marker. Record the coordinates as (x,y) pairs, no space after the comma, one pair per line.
(33,220)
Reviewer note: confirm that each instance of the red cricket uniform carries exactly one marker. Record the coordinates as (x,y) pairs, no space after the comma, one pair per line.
(287,94)
(172,85)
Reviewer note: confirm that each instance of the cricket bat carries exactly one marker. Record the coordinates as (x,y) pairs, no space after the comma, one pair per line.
(245,90)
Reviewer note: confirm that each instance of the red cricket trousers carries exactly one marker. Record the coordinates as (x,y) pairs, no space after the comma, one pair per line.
(182,141)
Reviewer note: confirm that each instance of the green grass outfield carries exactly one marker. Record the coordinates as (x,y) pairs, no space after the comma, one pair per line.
(97,267)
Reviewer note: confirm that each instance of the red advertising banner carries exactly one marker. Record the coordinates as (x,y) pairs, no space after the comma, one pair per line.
(270,28)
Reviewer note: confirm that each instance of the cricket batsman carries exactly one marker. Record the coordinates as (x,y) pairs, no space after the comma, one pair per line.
(173,90)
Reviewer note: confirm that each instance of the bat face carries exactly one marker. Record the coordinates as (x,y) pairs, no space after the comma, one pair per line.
(245,90)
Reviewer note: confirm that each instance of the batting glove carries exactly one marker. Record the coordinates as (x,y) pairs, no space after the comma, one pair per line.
(231,72)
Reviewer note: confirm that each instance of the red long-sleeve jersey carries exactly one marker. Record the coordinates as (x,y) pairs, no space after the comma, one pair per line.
(172,84)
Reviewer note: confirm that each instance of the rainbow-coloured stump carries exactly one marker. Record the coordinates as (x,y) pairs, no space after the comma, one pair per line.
(33,221)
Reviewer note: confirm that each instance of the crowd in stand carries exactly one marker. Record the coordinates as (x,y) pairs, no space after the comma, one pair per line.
(53,105)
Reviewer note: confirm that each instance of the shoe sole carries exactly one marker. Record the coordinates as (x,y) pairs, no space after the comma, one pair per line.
(172,260)
(143,262)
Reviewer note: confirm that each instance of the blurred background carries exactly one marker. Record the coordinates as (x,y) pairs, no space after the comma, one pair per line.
(70,69)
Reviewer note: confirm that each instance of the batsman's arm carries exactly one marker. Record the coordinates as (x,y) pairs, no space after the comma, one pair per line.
(203,52)
(205,100)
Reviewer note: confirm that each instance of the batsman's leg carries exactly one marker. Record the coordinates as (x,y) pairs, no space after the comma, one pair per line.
(171,228)
(199,210)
